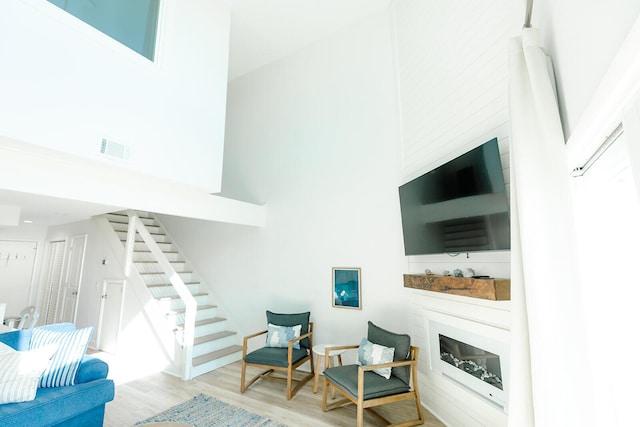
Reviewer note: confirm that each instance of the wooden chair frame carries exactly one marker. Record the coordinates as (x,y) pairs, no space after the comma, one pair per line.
(293,384)
(363,404)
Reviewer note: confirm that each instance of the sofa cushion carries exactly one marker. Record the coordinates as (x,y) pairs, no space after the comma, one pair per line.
(72,346)
(20,372)
(374,385)
(18,340)
(274,356)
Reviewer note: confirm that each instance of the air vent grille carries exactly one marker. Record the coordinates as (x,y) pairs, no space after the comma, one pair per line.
(113,149)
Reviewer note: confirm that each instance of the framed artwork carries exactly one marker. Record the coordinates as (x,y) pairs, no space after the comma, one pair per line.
(346,288)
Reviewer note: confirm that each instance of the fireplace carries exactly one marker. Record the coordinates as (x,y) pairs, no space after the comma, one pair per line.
(471,355)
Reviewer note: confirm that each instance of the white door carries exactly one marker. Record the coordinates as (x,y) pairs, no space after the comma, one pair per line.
(72,278)
(110,314)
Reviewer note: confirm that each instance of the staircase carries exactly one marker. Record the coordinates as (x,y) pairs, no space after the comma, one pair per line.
(213,345)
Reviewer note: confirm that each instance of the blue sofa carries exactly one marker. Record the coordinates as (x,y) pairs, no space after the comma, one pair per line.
(78,405)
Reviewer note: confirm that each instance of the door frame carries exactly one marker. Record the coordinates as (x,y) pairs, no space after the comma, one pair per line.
(105,284)
(67,272)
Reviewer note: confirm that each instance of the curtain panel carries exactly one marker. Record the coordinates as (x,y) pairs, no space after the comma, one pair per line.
(550,382)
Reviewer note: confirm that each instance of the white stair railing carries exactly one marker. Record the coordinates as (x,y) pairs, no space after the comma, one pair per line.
(136,225)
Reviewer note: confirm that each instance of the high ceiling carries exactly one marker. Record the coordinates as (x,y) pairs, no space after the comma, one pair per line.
(262,31)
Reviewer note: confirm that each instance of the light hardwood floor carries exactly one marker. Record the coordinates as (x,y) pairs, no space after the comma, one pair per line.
(143,398)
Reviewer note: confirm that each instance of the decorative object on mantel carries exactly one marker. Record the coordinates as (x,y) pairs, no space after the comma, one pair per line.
(457,272)
(468,272)
(485,288)
(446,273)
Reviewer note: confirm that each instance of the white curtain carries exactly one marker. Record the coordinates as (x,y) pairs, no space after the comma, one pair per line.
(550,383)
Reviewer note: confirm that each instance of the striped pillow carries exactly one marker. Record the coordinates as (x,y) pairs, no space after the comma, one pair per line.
(20,372)
(71,348)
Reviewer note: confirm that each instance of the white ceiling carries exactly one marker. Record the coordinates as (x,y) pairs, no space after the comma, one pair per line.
(262,31)
(43,210)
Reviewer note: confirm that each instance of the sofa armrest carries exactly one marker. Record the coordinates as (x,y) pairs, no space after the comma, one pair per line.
(91,368)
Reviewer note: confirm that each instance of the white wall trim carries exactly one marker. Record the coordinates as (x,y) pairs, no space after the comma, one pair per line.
(617,90)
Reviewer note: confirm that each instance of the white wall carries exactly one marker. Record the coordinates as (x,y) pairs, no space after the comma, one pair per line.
(26,232)
(453,91)
(582,38)
(452,79)
(65,85)
(315,137)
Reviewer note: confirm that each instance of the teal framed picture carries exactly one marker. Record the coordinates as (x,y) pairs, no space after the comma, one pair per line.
(347,287)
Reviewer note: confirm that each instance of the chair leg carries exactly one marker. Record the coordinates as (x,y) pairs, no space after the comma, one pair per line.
(360,419)
(325,385)
(242,377)
(289,382)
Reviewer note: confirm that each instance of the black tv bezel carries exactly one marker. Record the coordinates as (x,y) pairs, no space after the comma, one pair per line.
(505,215)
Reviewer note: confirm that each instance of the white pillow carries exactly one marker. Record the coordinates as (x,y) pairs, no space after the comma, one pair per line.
(374,354)
(20,372)
(72,346)
(279,336)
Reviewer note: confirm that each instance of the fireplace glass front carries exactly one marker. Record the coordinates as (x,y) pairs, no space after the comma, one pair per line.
(475,361)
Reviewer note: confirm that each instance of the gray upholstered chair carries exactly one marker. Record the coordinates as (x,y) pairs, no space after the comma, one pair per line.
(366,385)
(288,344)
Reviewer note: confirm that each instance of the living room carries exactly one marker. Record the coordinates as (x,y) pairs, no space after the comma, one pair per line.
(323,137)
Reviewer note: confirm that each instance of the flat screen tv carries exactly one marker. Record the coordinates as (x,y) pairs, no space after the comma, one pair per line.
(461,206)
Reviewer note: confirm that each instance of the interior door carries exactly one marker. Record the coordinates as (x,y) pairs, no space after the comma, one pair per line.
(72,278)
(110,315)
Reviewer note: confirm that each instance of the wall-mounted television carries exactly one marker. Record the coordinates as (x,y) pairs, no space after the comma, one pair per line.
(461,206)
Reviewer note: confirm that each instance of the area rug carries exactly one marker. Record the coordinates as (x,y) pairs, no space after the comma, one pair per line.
(206,411)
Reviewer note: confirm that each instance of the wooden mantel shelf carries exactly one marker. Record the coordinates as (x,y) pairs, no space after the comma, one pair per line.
(491,289)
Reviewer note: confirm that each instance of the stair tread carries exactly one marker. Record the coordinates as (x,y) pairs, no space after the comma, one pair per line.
(160,285)
(198,294)
(212,337)
(183,310)
(156,262)
(204,322)
(216,355)
(149,273)
(146,251)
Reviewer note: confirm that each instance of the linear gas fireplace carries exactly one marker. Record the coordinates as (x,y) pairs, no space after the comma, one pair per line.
(471,358)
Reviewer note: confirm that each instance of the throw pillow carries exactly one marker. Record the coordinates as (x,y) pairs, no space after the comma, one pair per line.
(374,354)
(20,372)
(279,336)
(72,346)
(292,319)
(402,344)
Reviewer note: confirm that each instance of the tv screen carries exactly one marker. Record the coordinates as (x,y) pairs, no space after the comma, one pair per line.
(460,206)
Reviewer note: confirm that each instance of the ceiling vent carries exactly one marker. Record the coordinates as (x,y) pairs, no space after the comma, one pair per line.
(113,149)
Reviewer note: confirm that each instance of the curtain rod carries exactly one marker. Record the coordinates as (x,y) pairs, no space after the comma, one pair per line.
(527,14)
(608,141)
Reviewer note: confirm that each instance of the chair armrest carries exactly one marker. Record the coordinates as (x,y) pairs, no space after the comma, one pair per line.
(294,340)
(387,365)
(246,340)
(91,368)
(328,350)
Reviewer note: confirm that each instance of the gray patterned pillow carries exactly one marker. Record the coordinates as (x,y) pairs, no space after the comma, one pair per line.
(374,354)
(279,336)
